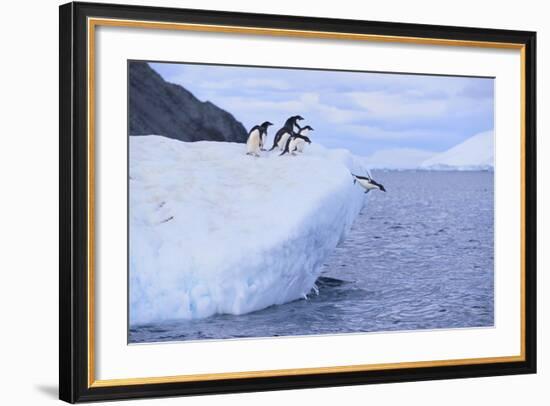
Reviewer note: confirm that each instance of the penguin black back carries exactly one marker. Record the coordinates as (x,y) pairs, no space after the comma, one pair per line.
(256,127)
(293,121)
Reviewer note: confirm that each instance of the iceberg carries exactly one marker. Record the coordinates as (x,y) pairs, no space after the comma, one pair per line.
(476,153)
(214,231)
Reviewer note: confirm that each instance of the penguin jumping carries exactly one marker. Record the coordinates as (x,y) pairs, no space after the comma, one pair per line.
(292,143)
(285,132)
(368,183)
(256,138)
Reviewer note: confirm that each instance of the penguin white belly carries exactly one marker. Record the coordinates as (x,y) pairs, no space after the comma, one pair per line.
(300,145)
(283,140)
(253,143)
(366,184)
(292,146)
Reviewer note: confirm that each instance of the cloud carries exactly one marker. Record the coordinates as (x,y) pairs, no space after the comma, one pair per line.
(255,84)
(354,110)
(367,132)
(479,90)
(383,105)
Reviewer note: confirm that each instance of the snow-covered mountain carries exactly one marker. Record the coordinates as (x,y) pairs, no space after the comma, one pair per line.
(213,230)
(476,152)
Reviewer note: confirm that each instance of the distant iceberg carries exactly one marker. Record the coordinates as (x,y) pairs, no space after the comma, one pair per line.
(215,231)
(476,153)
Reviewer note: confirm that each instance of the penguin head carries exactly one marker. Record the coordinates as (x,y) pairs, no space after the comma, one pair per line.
(298,117)
(307,127)
(266,124)
(306,139)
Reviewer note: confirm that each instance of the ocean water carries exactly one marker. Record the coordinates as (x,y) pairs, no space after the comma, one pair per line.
(418,257)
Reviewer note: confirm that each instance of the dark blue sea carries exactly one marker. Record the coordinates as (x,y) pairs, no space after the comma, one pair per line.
(418,257)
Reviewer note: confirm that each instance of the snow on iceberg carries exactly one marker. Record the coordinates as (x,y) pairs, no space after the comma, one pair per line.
(476,152)
(215,231)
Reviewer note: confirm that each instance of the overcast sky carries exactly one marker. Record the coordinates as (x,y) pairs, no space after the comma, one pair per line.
(367,113)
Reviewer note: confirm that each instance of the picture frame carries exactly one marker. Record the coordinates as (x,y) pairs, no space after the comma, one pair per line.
(79,22)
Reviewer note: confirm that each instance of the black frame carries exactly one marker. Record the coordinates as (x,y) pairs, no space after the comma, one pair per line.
(73,289)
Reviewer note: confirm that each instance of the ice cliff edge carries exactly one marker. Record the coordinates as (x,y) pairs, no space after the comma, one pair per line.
(213,231)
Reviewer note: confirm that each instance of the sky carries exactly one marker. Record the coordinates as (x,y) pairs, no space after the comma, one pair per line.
(387,117)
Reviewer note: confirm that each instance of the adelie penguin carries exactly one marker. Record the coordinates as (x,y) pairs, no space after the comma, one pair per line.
(368,183)
(281,137)
(300,143)
(256,138)
(296,142)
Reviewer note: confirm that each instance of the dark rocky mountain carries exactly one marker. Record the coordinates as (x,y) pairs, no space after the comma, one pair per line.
(163,108)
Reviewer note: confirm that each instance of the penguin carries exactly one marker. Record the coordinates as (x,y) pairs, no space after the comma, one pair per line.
(256,138)
(285,132)
(368,183)
(292,143)
(300,143)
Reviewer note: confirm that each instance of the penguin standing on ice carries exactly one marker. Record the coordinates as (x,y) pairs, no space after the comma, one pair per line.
(285,132)
(293,142)
(256,138)
(299,141)
(368,183)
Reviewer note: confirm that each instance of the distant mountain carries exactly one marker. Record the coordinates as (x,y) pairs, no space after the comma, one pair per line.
(476,152)
(163,108)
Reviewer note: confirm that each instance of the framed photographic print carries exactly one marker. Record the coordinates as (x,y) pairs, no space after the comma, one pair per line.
(257,202)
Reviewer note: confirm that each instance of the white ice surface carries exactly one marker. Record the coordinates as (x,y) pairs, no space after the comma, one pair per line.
(213,230)
(476,152)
